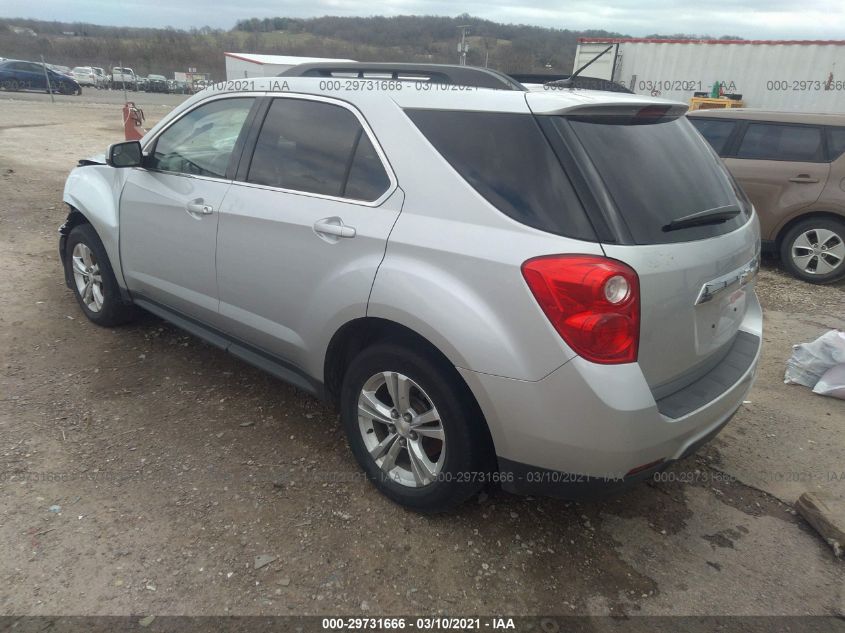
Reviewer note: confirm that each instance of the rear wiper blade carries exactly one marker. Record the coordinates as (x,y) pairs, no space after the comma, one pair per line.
(710,216)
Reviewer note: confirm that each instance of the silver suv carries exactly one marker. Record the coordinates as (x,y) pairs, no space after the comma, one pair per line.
(548,289)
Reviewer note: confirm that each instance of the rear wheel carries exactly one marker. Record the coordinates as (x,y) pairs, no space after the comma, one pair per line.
(814,250)
(93,280)
(413,428)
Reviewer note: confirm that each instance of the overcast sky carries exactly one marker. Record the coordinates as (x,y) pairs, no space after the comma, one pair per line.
(755,19)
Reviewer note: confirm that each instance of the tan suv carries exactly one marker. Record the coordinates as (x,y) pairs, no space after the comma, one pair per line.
(792,167)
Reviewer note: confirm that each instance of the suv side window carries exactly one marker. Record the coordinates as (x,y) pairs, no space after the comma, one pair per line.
(716,131)
(835,142)
(506,158)
(316,147)
(770,141)
(201,142)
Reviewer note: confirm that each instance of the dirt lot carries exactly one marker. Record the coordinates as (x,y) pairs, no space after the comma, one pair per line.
(170,467)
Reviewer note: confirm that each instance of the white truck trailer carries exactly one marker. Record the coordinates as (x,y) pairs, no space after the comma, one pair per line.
(792,75)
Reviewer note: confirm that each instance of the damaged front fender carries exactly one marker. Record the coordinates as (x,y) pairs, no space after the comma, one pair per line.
(92,191)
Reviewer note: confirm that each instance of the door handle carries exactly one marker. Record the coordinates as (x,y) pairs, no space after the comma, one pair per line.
(198,207)
(330,229)
(803,178)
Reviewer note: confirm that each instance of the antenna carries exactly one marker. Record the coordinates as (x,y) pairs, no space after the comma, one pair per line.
(571,79)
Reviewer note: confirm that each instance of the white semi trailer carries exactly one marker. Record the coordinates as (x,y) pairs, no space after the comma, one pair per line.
(793,75)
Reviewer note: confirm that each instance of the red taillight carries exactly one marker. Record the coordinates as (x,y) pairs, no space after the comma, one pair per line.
(592,302)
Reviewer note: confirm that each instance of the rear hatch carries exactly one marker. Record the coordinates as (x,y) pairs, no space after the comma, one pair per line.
(662,202)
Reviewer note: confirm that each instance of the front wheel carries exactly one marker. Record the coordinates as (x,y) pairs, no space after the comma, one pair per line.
(93,280)
(414,428)
(814,250)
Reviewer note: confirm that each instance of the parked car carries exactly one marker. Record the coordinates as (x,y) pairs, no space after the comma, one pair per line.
(86,76)
(156,83)
(123,78)
(177,87)
(792,166)
(23,75)
(102,78)
(481,285)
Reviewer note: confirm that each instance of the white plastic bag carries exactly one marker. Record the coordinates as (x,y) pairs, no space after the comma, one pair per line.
(832,383)
(810,361)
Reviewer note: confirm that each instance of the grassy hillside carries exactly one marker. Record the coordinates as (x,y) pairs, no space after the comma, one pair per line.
(508,47)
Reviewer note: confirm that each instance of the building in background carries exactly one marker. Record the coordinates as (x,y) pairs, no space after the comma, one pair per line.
(792,75)
(245,65)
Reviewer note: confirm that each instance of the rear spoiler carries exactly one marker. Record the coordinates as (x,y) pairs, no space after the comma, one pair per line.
(632,107)
(643,113)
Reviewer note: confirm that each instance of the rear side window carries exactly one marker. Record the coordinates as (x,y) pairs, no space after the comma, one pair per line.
(367,178)
(507,159)
(835,142)
(656,173)
(317,147)
(768,141)
(716,131)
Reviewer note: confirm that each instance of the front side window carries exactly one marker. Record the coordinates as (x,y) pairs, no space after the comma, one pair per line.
(717,132)
(201,142)
(770,141)
(317,147)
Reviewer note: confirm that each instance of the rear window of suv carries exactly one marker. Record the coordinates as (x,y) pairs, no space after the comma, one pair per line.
(656,172)
(506,158)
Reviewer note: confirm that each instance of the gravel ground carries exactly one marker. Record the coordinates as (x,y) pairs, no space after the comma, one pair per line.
(144,471)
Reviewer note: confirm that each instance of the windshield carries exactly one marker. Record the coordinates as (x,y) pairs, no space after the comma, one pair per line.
(657,173)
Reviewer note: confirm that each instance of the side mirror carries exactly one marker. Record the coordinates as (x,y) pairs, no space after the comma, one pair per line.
(126,154)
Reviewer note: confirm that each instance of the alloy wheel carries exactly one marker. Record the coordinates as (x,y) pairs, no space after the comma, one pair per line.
(401,429)
(818,251)
(87,276)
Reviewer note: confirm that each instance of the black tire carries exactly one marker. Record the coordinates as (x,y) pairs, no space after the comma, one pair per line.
(808,226)
(468,457)
(114,310)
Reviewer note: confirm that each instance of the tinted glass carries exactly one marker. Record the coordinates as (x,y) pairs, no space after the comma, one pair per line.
(367,178)
(715,131)
(201,142)
(507,159)
(835,142)
(659,172)
(768,141)
(309,145)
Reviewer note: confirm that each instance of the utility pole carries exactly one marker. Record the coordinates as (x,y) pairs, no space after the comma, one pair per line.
(463,47)
(47,79)
(123,77)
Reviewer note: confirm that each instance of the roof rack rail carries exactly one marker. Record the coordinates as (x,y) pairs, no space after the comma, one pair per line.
(434,73)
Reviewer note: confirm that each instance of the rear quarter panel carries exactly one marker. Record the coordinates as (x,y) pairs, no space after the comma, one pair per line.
(451,271)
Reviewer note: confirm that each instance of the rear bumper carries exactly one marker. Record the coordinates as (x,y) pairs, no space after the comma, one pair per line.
(523,479)
(584,428)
